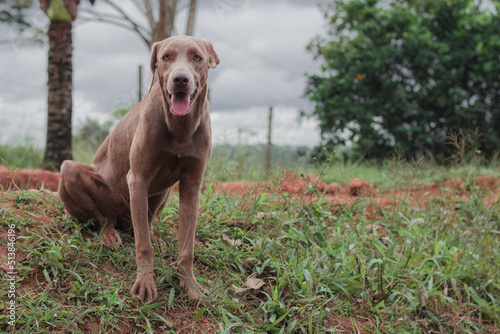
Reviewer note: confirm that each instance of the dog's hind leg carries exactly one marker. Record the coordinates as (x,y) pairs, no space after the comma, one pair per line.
(86,195)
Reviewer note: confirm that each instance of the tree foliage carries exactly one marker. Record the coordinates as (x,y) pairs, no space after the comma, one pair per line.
(14,12)
(402,75)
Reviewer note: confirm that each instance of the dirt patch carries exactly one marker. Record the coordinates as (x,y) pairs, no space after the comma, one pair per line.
(309,187)
(305,187)
(16,179)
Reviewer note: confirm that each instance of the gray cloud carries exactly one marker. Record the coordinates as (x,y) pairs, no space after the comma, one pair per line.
(261,45)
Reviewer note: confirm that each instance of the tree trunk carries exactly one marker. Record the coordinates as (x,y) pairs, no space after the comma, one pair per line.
(165,25)
(191,16)
(60,73)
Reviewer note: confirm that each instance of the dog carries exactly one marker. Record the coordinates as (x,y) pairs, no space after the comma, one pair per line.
(164,139)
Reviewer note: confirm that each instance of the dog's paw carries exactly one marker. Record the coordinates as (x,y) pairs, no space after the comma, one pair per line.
(111,238)
(145,287)
(192,289)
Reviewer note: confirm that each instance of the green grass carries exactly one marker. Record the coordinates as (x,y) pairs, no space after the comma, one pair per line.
(324,268)
(360,266)
(24,154)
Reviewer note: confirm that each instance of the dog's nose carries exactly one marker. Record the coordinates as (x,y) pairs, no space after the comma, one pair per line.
(181,80)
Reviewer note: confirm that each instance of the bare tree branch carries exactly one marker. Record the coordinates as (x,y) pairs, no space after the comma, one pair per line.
(172,10)
(108,16)
(160,25)
(149,14)
(122,12)
(159,29)
(140,8)
(191,16)
(116,21)
(122,16)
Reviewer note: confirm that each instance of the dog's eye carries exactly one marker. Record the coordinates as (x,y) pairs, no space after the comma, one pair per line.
(166,57)
(197,58)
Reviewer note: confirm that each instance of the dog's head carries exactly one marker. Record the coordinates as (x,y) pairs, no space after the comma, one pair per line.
(182,63)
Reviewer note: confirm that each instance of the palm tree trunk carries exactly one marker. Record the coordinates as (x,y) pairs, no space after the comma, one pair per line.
(60,73)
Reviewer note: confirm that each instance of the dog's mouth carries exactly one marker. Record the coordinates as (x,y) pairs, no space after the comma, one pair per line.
(180,102)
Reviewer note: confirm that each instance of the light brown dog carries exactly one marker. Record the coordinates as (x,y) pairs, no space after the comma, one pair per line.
(165,138)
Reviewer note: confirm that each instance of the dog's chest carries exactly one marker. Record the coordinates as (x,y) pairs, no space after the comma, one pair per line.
(173,171)
(166,177)
(196,147)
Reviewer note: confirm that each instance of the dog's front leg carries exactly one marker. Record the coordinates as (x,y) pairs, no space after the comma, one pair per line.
(144,285)
(189,191)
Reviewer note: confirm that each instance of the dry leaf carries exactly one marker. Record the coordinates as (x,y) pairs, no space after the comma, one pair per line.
(237,289)
(230,241)
(424,297)
(254,283)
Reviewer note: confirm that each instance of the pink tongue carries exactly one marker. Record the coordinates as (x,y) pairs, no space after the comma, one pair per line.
(180,103)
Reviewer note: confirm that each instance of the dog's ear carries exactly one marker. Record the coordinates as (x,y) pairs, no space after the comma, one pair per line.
(213,58)
(152,64)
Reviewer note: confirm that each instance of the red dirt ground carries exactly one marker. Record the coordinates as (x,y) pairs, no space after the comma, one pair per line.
(336,193)
(297,187)
(14,178)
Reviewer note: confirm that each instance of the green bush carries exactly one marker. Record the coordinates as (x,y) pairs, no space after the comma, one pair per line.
(401,76)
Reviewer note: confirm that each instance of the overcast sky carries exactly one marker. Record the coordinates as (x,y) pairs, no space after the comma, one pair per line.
(261,45)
